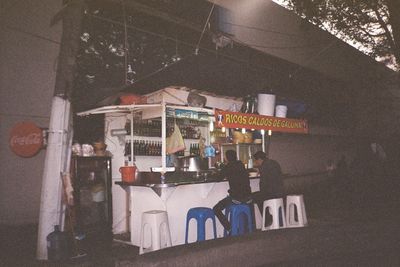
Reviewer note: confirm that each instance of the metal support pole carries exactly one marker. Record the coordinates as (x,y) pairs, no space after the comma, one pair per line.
(163,137)
(132,152)
(268,144)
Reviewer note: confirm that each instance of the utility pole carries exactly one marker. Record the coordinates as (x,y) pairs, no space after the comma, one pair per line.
(58,150)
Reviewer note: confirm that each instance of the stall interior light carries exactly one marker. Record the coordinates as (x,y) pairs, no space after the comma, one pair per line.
(223,129)
(211,126)
(243,130)
(269,132)
(262,131)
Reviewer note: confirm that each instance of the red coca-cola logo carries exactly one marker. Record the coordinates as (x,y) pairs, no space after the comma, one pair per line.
(26,139)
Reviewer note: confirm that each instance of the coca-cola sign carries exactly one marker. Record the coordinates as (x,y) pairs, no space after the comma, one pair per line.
(26,139)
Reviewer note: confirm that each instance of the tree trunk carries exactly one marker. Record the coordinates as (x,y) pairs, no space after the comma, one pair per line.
(394,20)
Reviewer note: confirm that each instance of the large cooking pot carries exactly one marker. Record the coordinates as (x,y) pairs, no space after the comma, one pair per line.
(189,163)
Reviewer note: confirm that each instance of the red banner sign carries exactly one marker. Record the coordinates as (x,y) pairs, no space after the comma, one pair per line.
(229,119)
(26,139)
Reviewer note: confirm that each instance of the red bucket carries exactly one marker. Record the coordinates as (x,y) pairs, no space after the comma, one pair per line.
(128,173)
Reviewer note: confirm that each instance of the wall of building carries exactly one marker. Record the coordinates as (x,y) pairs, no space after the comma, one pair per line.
(28,51)
(270,28)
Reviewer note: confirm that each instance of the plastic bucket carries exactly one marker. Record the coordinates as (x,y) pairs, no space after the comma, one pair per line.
(266,104)
(281,111)
(128,173)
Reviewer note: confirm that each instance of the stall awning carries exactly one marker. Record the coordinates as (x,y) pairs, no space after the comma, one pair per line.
(117,108)
(139,107)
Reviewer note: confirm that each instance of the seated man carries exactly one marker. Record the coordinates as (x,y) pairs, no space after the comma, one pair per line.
(239,187)
(271,182)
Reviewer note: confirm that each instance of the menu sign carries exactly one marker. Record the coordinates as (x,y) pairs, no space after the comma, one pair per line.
(229,119)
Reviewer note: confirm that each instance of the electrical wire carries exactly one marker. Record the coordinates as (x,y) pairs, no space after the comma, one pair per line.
(204,29)
(263,30)
(24,115)
(213,51)
(165,37)
(32,34)
(291,75)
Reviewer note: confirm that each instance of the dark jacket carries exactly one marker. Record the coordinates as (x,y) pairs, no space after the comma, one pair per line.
(271,182)
(238,178)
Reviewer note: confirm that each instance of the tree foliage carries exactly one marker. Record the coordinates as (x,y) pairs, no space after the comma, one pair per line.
(373,26)
(112,55)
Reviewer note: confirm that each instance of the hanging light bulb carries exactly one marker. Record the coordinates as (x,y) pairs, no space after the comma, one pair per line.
(223,129)
(269,132)
(262,132)
(243,130)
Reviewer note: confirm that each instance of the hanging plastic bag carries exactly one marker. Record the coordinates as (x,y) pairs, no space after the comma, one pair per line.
(175,142)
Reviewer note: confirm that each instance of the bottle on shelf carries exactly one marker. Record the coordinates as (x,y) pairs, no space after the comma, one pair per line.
(250,163)
(127,151)
(128,127)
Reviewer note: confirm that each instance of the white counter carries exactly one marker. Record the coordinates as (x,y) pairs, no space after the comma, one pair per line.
(177,201)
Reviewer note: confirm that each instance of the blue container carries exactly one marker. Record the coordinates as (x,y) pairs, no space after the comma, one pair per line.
(57,245)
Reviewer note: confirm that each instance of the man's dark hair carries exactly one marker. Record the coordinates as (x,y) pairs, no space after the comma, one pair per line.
(260,155)
(230,155)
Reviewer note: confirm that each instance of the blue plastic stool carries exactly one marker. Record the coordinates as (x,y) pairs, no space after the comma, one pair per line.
(201,214)
(239,216)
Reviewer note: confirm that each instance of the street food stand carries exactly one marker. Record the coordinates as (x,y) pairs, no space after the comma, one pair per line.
(137,135)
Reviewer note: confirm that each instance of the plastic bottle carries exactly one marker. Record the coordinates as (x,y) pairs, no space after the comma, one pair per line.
(57,245)
(250,163)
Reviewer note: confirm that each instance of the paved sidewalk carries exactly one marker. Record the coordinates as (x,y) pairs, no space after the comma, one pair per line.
(341,232)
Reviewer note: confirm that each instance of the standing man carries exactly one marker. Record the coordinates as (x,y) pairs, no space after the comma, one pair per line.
(271,182)
(239,187)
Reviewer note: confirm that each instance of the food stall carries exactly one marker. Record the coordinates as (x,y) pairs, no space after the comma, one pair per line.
(139,136)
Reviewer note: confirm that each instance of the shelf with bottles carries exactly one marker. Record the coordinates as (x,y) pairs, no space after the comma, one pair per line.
(148,128)
(192,149)
(190,129)
(143,148)
(155,139)
(147,146)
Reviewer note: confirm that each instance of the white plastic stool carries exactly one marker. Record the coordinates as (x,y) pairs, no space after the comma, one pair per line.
(295,203)
(276,209)
(154,222)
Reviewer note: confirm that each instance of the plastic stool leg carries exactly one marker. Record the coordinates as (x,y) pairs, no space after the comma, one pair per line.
(142,239)
(249,222)
(214,227)
(201,235)
(156,239)
(151,247)
(187,229)
(164,233)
